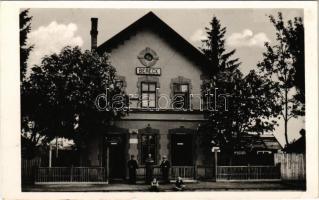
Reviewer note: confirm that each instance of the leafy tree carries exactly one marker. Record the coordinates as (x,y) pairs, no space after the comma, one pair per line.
(61,93)
(250,109)
(29,141)
(25,28)
(294,33)
(240,104)
(283,63)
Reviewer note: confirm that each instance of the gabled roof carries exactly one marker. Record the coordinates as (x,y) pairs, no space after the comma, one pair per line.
(271,142)
(259,142)
(151,21)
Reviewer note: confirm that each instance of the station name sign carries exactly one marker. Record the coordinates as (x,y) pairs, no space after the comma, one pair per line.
(148,71)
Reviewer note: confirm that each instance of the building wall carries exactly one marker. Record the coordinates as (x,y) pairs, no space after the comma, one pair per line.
(164,121)
(94,150)
(163,127)
(134,129)
(172,63)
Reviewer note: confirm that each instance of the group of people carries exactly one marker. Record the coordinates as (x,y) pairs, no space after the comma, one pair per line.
(179,185)
(149,179)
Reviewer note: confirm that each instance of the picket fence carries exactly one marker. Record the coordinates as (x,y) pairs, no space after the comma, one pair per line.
(292,166)
(28,169)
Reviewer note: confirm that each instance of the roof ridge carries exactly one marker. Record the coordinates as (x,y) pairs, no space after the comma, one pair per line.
(151,20)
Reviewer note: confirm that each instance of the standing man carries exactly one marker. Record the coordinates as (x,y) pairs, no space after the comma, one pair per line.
(149,162)
(165,165)
(132,166)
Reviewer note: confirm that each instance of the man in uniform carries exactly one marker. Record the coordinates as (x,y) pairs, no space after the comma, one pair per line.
(165,165)
(132,166)
(149,162)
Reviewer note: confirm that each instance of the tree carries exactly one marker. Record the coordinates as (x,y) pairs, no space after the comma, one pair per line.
(240,104)
(221,72)
(25,28)
(214,49)
(250,109)
(29,142)
(61,93)
(280,64)
(294,32)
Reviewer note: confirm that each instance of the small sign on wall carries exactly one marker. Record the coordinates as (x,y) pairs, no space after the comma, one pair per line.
(148,71)
(133,140)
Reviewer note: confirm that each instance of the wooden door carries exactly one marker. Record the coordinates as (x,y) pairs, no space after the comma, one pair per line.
(182,149)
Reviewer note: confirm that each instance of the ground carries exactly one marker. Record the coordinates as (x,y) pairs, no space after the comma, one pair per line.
(199,186)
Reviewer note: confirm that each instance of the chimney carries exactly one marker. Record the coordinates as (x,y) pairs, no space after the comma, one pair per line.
(94,33)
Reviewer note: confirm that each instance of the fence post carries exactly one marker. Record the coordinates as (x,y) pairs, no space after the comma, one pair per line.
(278,169)
(195,172)
(71,174)
(215,155)
(50,155)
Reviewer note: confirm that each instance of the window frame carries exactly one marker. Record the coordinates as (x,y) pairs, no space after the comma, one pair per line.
(155,146)
(186,95)
(148,92)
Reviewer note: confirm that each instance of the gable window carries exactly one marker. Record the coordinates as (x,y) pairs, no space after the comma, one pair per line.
(180,96)
(148,146)
(148,90)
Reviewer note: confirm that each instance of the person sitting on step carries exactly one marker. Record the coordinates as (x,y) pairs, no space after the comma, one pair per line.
(154,185)
(179,184)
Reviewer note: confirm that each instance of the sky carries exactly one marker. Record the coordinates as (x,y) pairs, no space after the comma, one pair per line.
(247,31)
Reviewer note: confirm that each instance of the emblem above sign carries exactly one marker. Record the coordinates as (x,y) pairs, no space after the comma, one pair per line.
(148,57)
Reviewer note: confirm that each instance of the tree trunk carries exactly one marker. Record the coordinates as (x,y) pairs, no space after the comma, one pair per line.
(286,116)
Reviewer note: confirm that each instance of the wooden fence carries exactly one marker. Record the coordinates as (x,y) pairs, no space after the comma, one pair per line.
(141,172)
(186,172)
(70,175)
(28,169)
(292,166)
(256,173)
(205,172)
(98,174)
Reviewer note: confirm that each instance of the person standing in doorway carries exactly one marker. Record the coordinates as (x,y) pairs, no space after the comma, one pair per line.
(149,162)
(132,166)
(165,165)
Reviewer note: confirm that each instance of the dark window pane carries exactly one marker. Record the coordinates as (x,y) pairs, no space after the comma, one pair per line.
(176,87)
